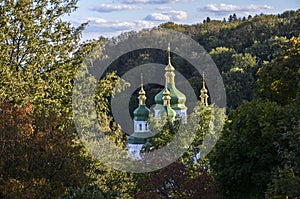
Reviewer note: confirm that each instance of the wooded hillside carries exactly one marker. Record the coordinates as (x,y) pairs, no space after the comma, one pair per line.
(41,155)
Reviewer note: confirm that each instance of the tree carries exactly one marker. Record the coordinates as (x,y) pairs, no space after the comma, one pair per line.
(268,50)
(240,81)
(222,56)
(40,153)
(37,52)
(177,181)
(188,177)
(255,138)
(240,86)
(234,17)
(38,158)
(106,183)
(239,74)
(279,80)
(230,18)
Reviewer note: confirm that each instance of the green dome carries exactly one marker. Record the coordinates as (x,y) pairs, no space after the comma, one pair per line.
(141,113)
(177,98)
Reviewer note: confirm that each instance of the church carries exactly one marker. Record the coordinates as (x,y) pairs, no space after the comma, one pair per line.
(169,102)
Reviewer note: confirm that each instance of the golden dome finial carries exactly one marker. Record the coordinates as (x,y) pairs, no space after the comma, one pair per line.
(204,96)
(142,93)
(203,90)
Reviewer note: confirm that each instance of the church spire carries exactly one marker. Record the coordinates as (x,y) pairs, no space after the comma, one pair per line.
(169,54)
(169,70)
(204,96)
(142,94)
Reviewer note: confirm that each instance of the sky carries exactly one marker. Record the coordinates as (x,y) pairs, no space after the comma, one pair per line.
(110,18)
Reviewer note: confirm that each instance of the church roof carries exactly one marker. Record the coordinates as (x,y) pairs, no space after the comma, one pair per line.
(141,113)
(138,138)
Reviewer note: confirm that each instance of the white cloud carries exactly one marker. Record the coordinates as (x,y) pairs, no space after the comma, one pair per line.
(151,1)
(172,15)
(118,25)
(158,17)
(112,7)
(103,26)
(178,15)
(222,9)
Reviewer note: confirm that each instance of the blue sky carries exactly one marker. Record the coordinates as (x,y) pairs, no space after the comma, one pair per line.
(111,17)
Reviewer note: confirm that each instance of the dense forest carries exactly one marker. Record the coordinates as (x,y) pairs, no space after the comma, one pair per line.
(41,155)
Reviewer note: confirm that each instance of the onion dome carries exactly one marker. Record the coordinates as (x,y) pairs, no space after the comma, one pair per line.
(141,113)
(177,98)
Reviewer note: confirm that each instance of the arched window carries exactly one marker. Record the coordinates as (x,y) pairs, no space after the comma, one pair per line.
(141,127)
(146,126)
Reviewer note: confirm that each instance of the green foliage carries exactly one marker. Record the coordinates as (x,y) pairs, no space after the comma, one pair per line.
(36,52)
(248,161)
(286,178)
(39,159)
(222,56)
(239,85)
(41,156)
(284,183)
(167,129)
(189,176)
(106,183)
(241,34)
(84,193)
(239,74)
(37,56)
(268,50)
(251,147)
(279,80)
(258,153)
(114,183)
(177,181)
(240,44)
